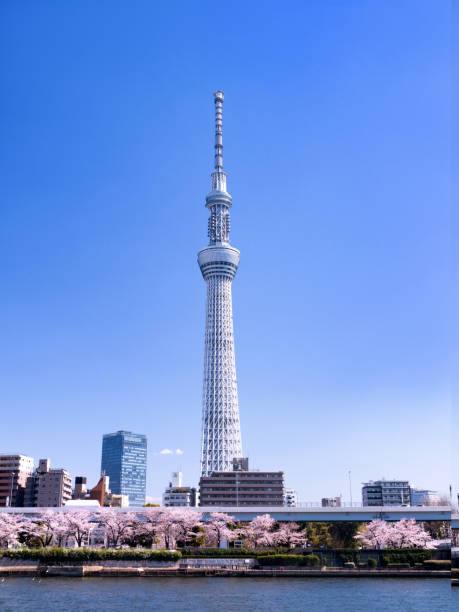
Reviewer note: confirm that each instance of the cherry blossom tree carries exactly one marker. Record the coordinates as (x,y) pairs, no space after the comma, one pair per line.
(409,534)
(11,526)
(168,521)
(176,524)
(405,533)
(45,527)
(374,534)
(79,524)
(218,528)
(185,521)
(60,530)
(149,527)
(119,526)
(259,533)
(290,535)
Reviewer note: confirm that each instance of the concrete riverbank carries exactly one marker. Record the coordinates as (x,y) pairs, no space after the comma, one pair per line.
(79,571)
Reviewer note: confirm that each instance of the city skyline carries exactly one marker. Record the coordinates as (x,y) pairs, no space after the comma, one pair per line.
(338,156)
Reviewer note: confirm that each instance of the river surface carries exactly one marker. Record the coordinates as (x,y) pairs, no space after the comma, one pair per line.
(227,594)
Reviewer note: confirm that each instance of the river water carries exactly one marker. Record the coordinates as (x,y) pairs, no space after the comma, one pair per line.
(227,594)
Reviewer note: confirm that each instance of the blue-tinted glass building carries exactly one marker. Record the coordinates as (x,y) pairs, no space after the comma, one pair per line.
(124,460)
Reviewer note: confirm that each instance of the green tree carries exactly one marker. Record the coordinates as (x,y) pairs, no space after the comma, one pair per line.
(343,534)
(199,539)
(318,534)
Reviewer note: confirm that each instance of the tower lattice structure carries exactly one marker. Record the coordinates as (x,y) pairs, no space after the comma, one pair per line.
(221,431)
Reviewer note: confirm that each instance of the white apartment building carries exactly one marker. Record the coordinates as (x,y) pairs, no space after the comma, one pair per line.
(386,493)
(291,498)
(176,495)
(424,497)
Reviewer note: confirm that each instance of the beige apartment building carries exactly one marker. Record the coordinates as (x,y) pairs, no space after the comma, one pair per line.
(51,488)
(14,472)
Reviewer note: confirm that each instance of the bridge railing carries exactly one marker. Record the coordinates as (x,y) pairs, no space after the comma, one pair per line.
(314,504)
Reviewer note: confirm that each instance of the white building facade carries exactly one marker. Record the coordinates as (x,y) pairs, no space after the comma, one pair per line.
(386,493)
(176,495)
(291,498)
(424,497)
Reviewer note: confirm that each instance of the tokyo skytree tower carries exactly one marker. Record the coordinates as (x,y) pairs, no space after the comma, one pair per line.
(221,432)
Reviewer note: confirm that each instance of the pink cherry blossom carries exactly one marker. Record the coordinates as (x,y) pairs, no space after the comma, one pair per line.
(79,524)
(217,528)
(119,526)
(259,533)
(289,535)
(11,526)
(45,527)
(405,533)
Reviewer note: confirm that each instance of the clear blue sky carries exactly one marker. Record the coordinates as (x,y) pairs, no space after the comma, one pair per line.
(337,142)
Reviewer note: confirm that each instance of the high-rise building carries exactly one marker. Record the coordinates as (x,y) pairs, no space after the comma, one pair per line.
(124,460)
(14,473)
(221,432)
(386,493)
(48,488)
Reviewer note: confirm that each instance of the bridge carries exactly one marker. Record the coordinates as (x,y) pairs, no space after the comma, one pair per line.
(309,514)
(364,513)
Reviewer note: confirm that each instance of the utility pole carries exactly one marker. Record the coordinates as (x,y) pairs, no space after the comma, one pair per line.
(350,486)
(11,489)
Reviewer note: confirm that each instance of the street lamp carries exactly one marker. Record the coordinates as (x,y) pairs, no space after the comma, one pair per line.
(11,489)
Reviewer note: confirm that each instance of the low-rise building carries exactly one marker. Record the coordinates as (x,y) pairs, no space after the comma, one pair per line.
(242,487)
(80,490)
(386,493)
(424,497)
(180,496)
(100,493)
(115,500)
(176,495)
(291,498)
(331,502)
(15,470)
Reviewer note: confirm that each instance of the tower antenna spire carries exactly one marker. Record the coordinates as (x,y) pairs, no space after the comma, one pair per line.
(218,99)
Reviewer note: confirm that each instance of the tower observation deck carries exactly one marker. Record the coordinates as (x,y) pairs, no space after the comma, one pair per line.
(221,432)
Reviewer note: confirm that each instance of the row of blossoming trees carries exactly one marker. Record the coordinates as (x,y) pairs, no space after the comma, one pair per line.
(171,527)
(406,533)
